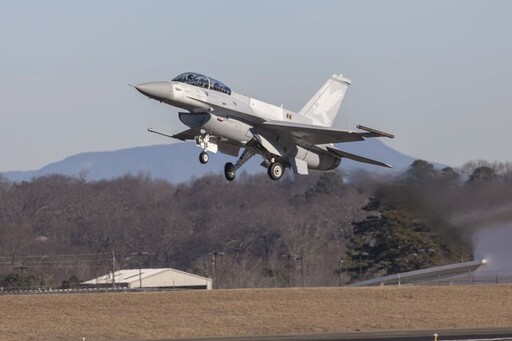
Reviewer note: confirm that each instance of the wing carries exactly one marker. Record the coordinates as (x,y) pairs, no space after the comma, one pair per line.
(358,158)
(306,134)
(300,133)
(225,146)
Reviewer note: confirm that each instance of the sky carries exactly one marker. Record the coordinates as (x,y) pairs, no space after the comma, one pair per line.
(437,73)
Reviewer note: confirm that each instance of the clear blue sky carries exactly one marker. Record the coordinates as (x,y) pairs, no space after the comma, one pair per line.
(435,73)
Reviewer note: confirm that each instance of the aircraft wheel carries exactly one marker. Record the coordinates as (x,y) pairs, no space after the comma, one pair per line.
(276,170)
(204,157)
(229,171)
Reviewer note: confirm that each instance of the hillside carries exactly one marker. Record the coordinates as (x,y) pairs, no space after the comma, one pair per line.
(178,162)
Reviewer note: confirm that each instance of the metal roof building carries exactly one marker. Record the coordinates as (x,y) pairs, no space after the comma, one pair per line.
(151,278)
(425,275)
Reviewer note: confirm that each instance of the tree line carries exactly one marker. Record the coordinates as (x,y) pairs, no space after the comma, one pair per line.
(325,229)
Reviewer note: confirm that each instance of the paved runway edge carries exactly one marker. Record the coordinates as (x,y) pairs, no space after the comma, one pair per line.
(384,335)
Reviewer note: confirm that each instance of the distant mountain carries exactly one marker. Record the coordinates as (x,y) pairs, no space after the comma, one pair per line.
(179,162)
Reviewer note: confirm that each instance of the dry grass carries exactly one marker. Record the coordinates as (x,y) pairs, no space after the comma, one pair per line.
(251,312)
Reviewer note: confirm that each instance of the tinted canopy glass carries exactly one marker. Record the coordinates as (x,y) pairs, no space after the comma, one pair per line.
(202,81)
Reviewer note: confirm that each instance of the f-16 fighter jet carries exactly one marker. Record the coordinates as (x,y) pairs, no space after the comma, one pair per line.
(221,120)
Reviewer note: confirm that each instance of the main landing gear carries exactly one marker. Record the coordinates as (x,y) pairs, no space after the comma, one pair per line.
(204,157)
(230,169)
(275,169)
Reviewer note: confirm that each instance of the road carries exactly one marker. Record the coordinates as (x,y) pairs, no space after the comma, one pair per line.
(494,334)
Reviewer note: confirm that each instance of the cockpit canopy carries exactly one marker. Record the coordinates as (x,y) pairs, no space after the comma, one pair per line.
(202,81)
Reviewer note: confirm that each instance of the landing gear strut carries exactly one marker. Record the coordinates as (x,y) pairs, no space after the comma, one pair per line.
(230,169)
(204,157)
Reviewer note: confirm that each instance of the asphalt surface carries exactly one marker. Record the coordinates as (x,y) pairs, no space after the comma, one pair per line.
(495,334)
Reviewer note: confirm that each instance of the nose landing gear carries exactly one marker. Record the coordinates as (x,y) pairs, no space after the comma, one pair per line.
(203,141)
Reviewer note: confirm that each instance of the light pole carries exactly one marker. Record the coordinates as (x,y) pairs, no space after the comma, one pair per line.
(295,257)
(113,269)
(302,269)
(215,254)
(429,253)
(361,254)
(140,254)
(22,268)
(289,270)
(341,271)
(301,258)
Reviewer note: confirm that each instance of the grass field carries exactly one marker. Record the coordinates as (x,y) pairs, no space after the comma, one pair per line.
(251,312)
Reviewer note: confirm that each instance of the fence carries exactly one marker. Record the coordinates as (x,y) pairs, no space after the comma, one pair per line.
(476,278)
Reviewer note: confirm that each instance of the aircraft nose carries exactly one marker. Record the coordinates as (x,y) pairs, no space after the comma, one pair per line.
(156,90)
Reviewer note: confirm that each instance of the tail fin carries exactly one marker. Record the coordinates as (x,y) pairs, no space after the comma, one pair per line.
(323,107)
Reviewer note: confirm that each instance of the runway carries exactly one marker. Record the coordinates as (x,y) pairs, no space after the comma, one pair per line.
(480,334)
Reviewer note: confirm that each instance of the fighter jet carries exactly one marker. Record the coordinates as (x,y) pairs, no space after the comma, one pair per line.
(221,120)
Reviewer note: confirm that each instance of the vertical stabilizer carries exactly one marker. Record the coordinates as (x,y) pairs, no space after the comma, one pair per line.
(323,107)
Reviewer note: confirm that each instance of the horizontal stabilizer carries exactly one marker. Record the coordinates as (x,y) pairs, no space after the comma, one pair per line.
(358,158)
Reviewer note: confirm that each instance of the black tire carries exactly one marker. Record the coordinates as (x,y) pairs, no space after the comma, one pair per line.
(276,170)
(204,157)
(229,171)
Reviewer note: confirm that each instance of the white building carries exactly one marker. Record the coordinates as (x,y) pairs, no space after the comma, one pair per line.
(152,278)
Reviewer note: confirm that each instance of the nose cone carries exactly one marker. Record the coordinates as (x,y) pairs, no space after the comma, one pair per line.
(160,91)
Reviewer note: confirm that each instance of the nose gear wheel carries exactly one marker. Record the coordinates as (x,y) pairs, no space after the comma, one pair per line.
(204,157)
